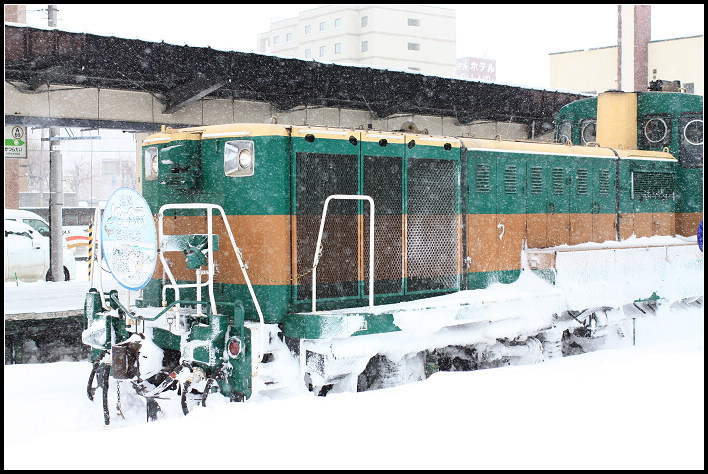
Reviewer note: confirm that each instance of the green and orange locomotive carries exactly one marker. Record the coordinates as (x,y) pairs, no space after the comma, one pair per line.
(351,259)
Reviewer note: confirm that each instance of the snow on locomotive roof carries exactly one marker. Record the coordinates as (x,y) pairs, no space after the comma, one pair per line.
(544,148)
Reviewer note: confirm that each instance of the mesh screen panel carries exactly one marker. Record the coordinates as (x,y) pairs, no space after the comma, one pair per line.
(432,230)
(383,181)
(320,175)
(433,242)
(650,185)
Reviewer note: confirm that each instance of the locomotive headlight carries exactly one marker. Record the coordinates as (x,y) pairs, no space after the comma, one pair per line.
(588,132)
(239,158)
(151,163)
(693,132)
(655,130)
(245,159)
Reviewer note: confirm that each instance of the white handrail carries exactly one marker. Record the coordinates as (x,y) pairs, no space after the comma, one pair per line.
(210,260)
(318,247)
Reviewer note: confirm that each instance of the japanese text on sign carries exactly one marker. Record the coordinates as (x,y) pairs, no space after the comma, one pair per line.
(477,68)
(15,141)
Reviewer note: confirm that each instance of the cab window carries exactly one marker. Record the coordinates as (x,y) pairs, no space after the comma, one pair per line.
(691,140)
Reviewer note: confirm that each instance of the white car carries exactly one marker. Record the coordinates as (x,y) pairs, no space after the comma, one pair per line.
(27,254)
(76,236)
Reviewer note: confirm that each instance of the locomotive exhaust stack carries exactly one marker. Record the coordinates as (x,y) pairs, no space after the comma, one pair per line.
(617,120)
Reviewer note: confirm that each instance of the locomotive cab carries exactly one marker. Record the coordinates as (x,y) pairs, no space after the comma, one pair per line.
(660,121)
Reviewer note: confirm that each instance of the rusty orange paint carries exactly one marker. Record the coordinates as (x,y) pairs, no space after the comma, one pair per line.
(404,245)
(482,242)
(558,229)
(360,247)
(264,242)
(536,230)
(293,249)
(604,227)
(643,224)
(626,226)
(460,263)
(687,223)
(489,252)
(510,240)
(664,223)
(580,229)
(494,241)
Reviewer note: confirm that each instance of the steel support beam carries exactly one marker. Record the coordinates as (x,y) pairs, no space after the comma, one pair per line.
(192,91)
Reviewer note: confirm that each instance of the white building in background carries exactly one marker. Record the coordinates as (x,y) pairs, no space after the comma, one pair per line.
(594,70)
(400,37)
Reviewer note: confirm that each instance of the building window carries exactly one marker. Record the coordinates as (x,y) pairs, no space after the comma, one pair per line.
(413,22)
(323,51)
(337,22)
(308,53)
(110,167)
(323,26)
(413,46)
(308,29)
(276,40)
(289,38)
(364,46)
(337,48)
(364,21)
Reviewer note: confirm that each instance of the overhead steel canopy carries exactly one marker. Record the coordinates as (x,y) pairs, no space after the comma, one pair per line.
(179,75)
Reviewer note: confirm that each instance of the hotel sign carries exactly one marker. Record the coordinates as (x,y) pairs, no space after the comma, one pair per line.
(477,68)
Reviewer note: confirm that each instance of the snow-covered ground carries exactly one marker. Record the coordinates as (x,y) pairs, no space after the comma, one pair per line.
(41,296)
(641,407)
(634,407)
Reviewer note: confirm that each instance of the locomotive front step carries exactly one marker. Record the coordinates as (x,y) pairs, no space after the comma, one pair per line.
(269,370)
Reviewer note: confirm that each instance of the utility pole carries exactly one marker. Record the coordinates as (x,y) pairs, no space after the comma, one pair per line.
(633,36)
(56,203)
(52,15)
(56,192)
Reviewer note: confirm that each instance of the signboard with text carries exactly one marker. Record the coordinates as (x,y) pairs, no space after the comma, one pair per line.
(15,141)
(128,238)
(477,68)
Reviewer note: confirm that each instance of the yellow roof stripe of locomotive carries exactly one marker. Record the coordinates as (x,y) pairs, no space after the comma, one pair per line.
(216,131)
(538,148)
(646,155)
(471,144)
(374,135)
(244,130)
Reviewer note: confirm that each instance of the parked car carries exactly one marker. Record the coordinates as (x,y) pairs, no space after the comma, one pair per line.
(27,254)
(75,226)
(32,219)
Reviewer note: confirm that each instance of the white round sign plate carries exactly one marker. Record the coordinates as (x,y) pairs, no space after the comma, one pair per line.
(128,238)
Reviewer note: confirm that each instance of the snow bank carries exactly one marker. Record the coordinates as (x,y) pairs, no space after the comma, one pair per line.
(637,408)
